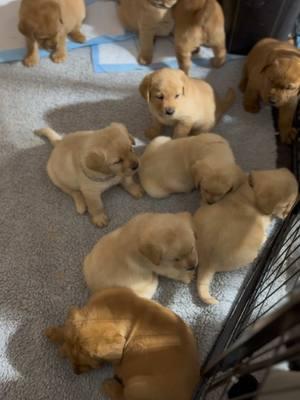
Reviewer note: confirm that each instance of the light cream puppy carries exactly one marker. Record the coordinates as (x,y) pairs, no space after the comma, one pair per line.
(84,164)
(133,255)
(176,100)
(231,232)
(46,24)
(174,166)
(149,18)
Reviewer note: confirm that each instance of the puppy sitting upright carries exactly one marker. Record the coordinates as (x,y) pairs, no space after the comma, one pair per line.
(85,164)
(173,166)
(189,104)
(152,350)
(147,245)
(199,22)
(149,18)
(272,74)
(46,24)
(231,232)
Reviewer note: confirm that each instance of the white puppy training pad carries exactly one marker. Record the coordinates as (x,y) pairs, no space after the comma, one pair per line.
(100,26)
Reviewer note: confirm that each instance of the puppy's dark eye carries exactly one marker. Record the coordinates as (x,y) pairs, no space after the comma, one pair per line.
(160,96)
(117,161)
(177,95)
(230,190)
(177,259)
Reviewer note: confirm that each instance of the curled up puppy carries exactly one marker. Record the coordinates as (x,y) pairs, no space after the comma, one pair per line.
(174,166)
(148,245)
(231,232)
(47,23)
(150,18)
(85,164)
(152,351)
(176,100)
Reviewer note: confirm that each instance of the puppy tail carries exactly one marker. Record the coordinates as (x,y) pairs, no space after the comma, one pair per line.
(50,134)
(224,104)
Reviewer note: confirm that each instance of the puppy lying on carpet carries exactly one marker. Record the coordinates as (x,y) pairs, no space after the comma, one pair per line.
(173,166)
(272,74)
(147,245)
(149,18)
(199,22)
(85,164)
(231,232)
(152,350)
(46,24)
(189,104)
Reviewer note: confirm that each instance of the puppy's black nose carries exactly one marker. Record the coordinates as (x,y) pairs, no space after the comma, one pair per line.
(272,102)
(169,111)
(134,165)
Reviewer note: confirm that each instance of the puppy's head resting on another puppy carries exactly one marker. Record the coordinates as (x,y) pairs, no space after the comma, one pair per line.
(282,80)
(275,191)
(169,241)
(216,182)
(164,91)
(164,4)
(43,23)
(110,153)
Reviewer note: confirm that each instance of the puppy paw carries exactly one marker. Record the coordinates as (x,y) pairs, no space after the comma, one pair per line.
(210,300)
(188,277)
(217,62)
(78,37)
(59,57)
(100,220)
(80,207)
(151,133)
(31,61)
(111,388)
(252,107)
(136,191)
(144,59)
(288,136)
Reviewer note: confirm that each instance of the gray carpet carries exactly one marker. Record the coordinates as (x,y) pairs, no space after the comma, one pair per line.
(43,240)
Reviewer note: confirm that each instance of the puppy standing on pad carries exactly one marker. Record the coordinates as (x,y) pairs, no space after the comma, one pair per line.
(47,23)
(174,166)
(153,352)
(176,100)
(84,164)
(231,232)
(149,244)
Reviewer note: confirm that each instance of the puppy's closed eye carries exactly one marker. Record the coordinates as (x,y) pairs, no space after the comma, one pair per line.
(160,96)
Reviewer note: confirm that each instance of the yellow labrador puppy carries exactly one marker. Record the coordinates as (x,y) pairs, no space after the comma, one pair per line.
(85,164)
(173,166)
(46,24)
(272,74)
(133,255)
(152,350)
(176,100)
(231,232)
(149,18)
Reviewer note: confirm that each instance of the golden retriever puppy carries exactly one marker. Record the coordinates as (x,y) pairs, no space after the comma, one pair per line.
(85,164)
(46,24)
(231,232)
(173,166)
(272,74)
(176,100)
(149,244)
(152,350)
(149,18)
(197,23)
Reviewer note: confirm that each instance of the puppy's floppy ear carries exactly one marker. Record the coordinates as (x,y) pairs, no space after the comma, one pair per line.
(151,251)
(107,345)
(199,170)
(95,162)
(268,65)
(145,87)
(265,198)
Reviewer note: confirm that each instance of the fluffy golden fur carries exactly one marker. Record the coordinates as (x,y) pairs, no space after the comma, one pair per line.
(231,232)
(46,24)
(85,164)
(173,166)
(149,18)
(133,255)
(152,350)
(272,74)
(197,23)
(176,100)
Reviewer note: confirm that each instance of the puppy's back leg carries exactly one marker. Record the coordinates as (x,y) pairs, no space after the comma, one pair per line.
(50,134)
(204,278)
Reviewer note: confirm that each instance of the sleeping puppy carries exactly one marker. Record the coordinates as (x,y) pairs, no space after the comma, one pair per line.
(85,164)
(174,99)
(149,18)
(199,22)
(152,350)
(173,166)
(133,255)
(46,24)
(231,232)
(272,74)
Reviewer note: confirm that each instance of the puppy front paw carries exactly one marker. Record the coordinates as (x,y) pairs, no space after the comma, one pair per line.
(100,220)
(217,62)
(31,61)
(144,59)
(136,191)
(288,136)
(111,388)
(209,300)
(251,107)
(78,37)
(59,57)
(187,277)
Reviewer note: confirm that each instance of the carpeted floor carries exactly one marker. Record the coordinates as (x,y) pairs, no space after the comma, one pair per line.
(43,240)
